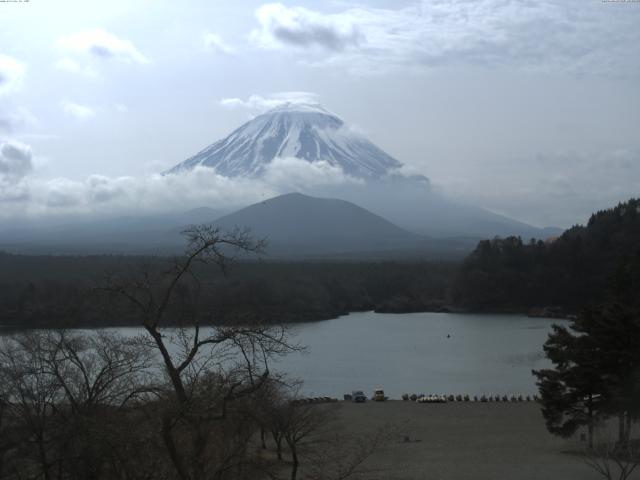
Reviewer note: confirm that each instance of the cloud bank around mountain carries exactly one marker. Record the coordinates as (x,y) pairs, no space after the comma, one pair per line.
(573,184)
(32,196)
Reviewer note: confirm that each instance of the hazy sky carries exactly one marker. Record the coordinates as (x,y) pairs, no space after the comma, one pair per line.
(529,108)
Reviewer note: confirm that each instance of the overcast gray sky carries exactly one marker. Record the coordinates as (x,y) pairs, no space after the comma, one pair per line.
(528,108)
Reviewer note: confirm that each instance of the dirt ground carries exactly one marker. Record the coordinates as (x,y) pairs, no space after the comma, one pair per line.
(460,441)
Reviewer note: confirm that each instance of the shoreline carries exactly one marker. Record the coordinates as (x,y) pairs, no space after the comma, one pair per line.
(451,310)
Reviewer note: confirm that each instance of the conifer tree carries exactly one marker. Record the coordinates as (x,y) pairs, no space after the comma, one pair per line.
(596,371)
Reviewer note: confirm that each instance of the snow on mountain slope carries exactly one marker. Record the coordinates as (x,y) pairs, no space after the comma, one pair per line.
(303,131)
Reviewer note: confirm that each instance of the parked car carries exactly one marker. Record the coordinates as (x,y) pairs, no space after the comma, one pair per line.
(432,399)
(358,396)
(378,395)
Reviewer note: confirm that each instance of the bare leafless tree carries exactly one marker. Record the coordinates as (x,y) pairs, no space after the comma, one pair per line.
(59,391)
(31,398)
(612,460)
(209,368)
(96,370)
(297,424)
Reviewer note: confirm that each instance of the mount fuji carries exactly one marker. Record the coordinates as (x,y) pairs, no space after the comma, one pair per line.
(303,131)
(310,133)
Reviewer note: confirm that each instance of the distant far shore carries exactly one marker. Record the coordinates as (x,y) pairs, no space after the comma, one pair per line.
(8,326)
(538,312)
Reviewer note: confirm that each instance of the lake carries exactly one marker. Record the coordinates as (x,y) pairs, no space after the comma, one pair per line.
(484,354)
(444,353)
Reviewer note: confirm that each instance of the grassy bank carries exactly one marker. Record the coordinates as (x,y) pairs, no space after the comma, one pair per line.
(464,441)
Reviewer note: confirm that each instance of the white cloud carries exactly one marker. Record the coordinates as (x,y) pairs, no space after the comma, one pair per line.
(98,194)
(214,42)
(10,119)
(71,66)
(11,74)
(570,35)
(101,44)
(58,192)
(121,107)
(77,110)
(15,161)
(295,174)
(262,103)
(301,27)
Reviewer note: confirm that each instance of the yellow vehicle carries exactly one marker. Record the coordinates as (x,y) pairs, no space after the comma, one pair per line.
(378,395)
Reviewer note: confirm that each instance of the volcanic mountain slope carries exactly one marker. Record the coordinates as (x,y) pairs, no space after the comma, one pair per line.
(295,224)
(307,132)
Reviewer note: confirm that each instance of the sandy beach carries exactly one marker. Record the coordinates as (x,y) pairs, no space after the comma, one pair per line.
(460,441)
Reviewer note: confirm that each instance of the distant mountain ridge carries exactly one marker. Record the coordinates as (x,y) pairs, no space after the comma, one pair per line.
(299,223)
(296,226)
(303,131)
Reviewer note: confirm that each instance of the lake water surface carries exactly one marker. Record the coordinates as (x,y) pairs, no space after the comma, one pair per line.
(411,353)
(440,353)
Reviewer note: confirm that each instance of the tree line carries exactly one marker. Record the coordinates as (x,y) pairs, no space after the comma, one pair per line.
(569,272)
(48,291)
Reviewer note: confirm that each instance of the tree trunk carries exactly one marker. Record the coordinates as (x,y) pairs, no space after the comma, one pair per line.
(627,430)
(43,458)
(172,371)
(621,429)
(278,440)
(591,421)
(262,440)
(167,436)
(199,443)
(294,463)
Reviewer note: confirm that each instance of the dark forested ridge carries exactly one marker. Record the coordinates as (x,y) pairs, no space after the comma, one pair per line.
(568,272)
(38,291)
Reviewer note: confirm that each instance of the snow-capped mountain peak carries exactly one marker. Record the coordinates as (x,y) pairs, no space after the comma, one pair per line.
(300,130)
